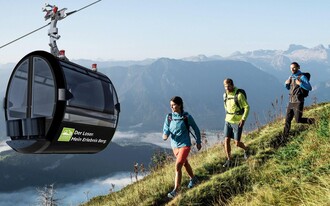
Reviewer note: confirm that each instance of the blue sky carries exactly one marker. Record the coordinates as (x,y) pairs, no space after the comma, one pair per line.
(140,29)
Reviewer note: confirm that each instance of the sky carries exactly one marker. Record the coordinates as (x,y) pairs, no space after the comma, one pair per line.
(141,29)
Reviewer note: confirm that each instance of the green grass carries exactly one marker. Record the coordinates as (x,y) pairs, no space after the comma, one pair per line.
(292,171)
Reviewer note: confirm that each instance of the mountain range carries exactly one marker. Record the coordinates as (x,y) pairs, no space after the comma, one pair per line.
(315,60)
(144,90)
(199,81)
(145,87)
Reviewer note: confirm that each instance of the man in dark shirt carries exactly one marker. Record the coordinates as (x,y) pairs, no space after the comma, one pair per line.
(296,83)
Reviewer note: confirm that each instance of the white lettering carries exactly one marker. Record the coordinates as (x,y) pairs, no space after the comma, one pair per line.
(103,141)
(89,140)
(76,139)
(88,134)
(76,132)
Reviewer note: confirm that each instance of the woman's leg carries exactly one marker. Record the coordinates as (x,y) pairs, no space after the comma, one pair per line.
(181,160)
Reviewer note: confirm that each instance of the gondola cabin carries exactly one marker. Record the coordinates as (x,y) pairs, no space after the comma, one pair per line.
(56,106)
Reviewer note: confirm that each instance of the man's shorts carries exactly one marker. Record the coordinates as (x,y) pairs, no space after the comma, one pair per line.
(233,131)
(181,154)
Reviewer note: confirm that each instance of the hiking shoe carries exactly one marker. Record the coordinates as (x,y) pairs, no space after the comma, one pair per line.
(192,182)
(311,121)
(246,154)
(227,164)
(172,194)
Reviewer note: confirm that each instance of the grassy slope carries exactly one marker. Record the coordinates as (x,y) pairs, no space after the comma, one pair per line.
(294,171)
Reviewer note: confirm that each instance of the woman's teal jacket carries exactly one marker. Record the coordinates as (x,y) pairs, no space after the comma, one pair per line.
(175,127)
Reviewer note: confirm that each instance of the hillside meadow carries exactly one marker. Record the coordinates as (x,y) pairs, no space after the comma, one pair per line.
(280,171)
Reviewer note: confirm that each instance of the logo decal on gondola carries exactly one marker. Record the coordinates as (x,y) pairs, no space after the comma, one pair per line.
(66,134)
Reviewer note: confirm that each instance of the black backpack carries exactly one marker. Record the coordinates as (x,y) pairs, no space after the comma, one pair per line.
(241,110)
(304,91)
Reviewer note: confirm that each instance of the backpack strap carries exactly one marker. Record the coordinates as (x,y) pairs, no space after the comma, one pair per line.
(185,120)
(299,77)
(236,99)
(169,118)
(225,97)
(306,74)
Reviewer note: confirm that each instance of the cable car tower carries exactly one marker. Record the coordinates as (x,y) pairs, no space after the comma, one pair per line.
(55,15)
(53,105)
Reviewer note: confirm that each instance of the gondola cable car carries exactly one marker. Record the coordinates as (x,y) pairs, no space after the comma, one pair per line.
(53,105)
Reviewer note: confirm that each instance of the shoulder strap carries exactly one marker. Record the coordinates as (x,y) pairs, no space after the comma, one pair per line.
(306,74)
(185,119)
(169,118)
(236,98)
(241,110)
(225,97)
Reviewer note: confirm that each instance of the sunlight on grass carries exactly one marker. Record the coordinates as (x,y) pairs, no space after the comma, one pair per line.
(293,171)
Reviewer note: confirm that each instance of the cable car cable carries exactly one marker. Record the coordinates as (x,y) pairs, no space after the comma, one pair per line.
(69,13)
(72,12)
(25,35)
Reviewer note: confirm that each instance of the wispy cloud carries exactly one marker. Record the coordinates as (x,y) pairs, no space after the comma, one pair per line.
(4,146)
(19,198)
(84,191)
(134,138)
(74,194)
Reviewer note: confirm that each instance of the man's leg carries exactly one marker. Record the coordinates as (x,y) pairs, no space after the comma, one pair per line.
(240,145)
(228,133)
(288,119)
(237,138)
(227,147)
(298,113)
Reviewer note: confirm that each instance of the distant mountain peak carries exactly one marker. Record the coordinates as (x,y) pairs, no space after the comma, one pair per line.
(319,47)
(318,53)
(295,53)
(294,47)
(202,58)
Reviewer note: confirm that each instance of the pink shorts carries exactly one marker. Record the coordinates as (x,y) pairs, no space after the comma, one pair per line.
(181,154)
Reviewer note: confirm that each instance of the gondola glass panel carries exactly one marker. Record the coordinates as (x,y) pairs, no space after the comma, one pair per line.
(94,108)
(43,91)
(17,98)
